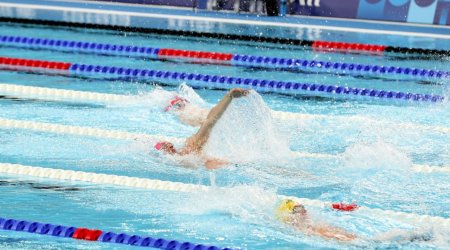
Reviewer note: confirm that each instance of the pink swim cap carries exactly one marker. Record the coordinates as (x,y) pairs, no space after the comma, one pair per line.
(176,100)
(159,145)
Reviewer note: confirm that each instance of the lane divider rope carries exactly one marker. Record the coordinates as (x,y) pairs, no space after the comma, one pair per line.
(357,118)
(430,169)
(62,94)
(234,59)
(136,182)
(81,233)
(220,82)
(114,134)
(83,131)
(339,47)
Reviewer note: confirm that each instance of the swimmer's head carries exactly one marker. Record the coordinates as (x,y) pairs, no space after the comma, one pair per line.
(289,207)
(177,103)
(166,147)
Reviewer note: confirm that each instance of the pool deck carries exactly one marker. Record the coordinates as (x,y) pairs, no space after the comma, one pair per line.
(146,16)
(177,13)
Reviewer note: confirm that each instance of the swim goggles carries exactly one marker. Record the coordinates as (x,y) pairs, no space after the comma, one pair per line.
(176,103)
(298,208)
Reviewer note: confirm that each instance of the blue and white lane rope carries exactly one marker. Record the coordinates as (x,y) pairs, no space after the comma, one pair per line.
(99,236)
(216,81)
(234,59)
(123,135)
(144,183)
(227,82)
(73,95)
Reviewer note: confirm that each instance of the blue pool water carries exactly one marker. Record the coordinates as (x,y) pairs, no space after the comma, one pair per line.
(373,167)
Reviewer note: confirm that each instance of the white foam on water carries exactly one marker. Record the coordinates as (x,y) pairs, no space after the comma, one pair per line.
(249,203)
(441,237)
(159,98)
(376,155)
(189,93)
(414,238)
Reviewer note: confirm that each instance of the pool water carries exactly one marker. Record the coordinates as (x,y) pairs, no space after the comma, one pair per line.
(373,167)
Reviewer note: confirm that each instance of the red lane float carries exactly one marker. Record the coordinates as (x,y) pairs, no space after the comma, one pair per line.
(195,54)
(86,234)
(340,46)
(35,63)
(99,236)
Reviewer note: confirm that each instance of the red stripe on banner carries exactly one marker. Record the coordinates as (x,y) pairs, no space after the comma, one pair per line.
(34,63)
(195,54)
(338,46)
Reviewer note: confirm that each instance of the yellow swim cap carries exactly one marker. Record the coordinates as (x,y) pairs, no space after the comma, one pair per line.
(286,207)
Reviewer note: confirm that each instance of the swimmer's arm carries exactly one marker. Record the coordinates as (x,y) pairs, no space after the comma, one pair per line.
(189,121)
(214,115)
(201,137)
(211,163)
(330,232)
(194,117)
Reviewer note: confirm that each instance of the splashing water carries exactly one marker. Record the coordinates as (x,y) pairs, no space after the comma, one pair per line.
(189,93)
(250,203)
(246,133)
(378,155)
(159,98)
(418,238)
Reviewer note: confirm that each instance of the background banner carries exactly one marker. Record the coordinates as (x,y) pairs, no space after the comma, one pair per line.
(414,11)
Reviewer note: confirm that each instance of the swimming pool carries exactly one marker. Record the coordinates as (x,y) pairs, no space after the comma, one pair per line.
(373,143)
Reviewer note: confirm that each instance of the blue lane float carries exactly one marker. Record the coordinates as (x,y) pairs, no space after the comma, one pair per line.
(100,236)
(225,82)
(214,81)
(76,46)
(234,59)
(339,67)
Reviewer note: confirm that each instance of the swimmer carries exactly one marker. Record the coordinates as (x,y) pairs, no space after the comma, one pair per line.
(194,144)
(295,215)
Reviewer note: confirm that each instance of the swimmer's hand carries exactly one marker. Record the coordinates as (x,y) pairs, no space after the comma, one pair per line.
(237,92)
